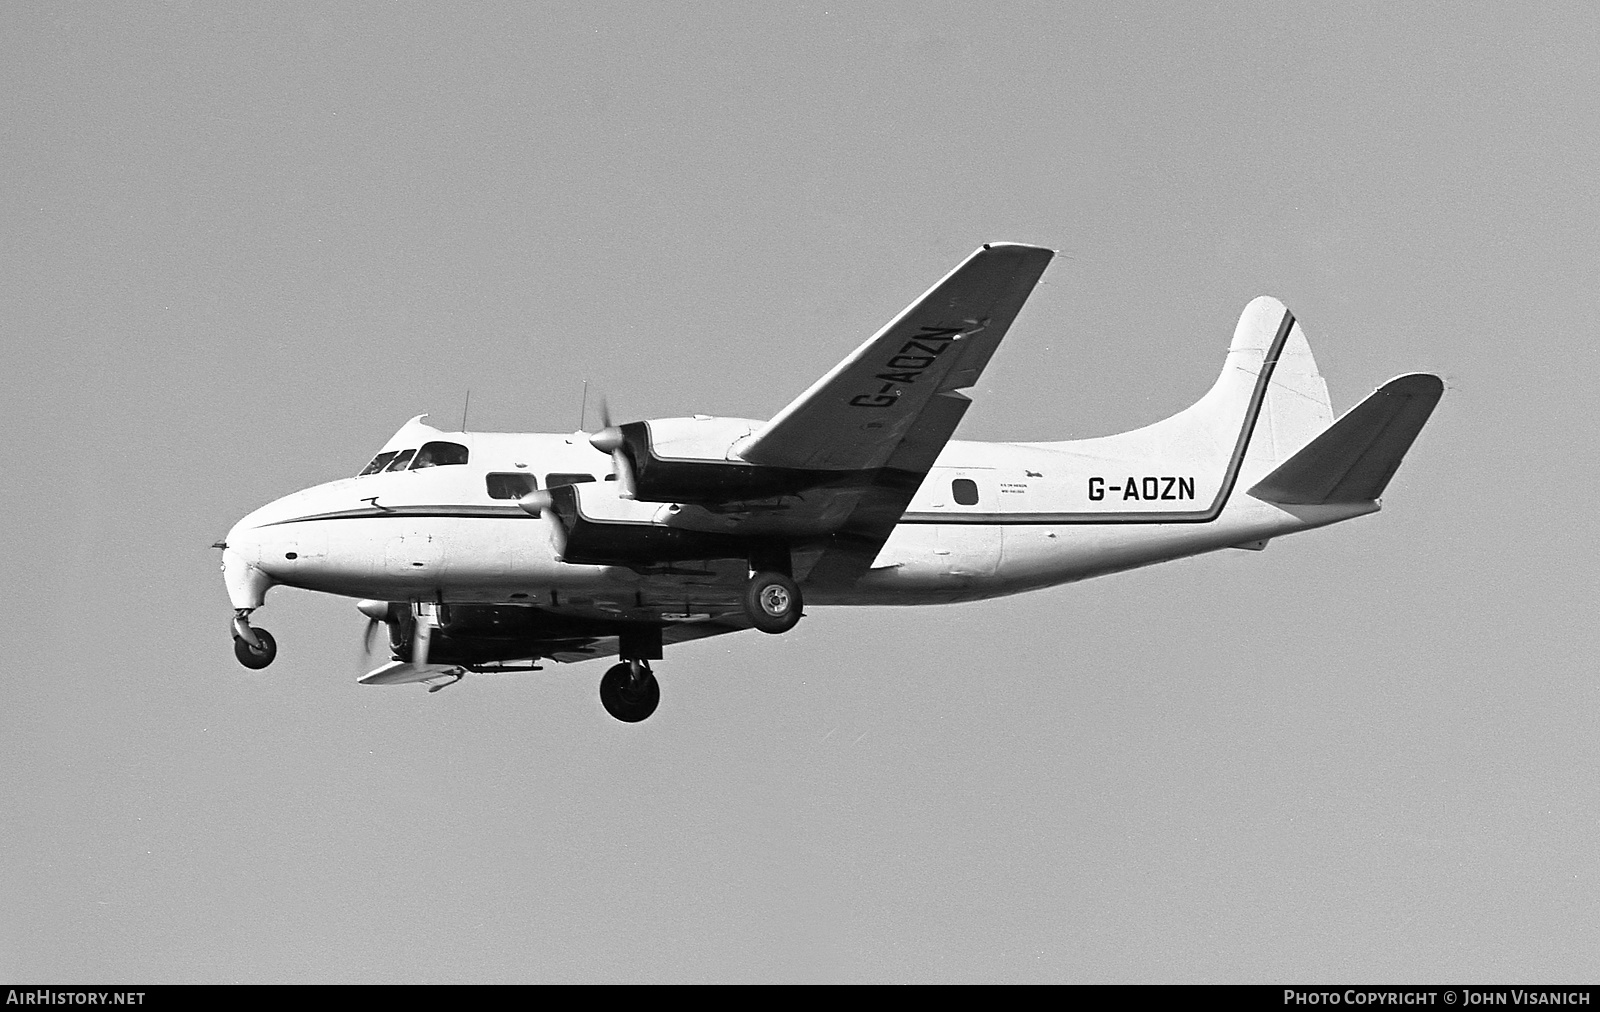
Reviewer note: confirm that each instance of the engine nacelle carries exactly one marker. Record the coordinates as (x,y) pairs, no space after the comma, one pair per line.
(692,460)
(605,531)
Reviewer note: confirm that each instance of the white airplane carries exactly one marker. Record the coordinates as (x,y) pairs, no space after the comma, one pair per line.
(490,551)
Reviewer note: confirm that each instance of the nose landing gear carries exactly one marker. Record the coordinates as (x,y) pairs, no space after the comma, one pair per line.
(629,691)
(253,646)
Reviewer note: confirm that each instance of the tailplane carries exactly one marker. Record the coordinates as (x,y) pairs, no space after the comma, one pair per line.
(1354,459)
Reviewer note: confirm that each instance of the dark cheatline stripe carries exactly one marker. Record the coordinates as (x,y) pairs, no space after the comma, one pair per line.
(410,512)
(1241,445)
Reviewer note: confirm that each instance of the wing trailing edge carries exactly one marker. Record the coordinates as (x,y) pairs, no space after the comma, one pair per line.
(1353,460)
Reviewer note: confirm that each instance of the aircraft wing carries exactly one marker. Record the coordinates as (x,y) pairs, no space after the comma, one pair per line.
(832,473)
(893,404)
(569,650)
(673,632)
(858,415)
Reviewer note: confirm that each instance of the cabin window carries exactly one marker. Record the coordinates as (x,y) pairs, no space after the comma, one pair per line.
(401,460)
(510,484)
(965,491)
(439,454)
(377,463)
(564,478)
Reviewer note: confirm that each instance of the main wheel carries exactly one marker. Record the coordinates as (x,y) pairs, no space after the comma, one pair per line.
(253,657)
(627,698)
(772,602)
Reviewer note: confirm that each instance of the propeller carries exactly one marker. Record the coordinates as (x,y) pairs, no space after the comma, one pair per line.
(377,612)
(538,503)
(426,618)
(609,440)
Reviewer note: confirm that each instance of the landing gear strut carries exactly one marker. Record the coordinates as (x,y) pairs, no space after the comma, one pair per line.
(629,691)
(254,647)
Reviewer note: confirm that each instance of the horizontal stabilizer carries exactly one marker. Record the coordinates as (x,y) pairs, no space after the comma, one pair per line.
(1354,459)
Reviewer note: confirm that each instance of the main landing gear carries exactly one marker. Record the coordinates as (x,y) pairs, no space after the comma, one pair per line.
(254,647)
(630,692)
(772,602)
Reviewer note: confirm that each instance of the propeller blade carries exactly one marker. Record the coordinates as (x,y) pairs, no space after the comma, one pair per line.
(624,469)
(609,440)
(537,503)
(377,612)
(608,437)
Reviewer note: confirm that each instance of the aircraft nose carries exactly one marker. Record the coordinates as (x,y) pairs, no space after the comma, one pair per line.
(242,574)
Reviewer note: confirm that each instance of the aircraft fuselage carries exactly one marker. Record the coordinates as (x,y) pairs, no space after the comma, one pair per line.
(990,519)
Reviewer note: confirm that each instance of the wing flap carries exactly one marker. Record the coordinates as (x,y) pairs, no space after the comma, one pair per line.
(1353,460)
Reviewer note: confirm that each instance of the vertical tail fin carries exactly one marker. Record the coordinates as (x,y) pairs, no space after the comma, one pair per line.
(1269,399)
(1268,402)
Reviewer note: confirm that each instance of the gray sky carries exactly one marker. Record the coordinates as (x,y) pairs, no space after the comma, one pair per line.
(237,250)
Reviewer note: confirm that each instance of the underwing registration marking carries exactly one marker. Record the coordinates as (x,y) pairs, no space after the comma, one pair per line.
(905,366)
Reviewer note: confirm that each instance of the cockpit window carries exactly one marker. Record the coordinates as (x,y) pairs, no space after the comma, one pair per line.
(439,454)
(510,484)
(377,463)
(401,460)
(564,478)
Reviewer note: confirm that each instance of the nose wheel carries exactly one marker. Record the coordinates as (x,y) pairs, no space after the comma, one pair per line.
(629,691)
(256,655)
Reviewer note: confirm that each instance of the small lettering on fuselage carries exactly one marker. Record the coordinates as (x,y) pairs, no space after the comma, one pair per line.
(906,365)
(1144,488)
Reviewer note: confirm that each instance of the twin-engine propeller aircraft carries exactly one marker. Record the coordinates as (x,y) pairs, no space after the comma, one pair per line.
(490,551)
